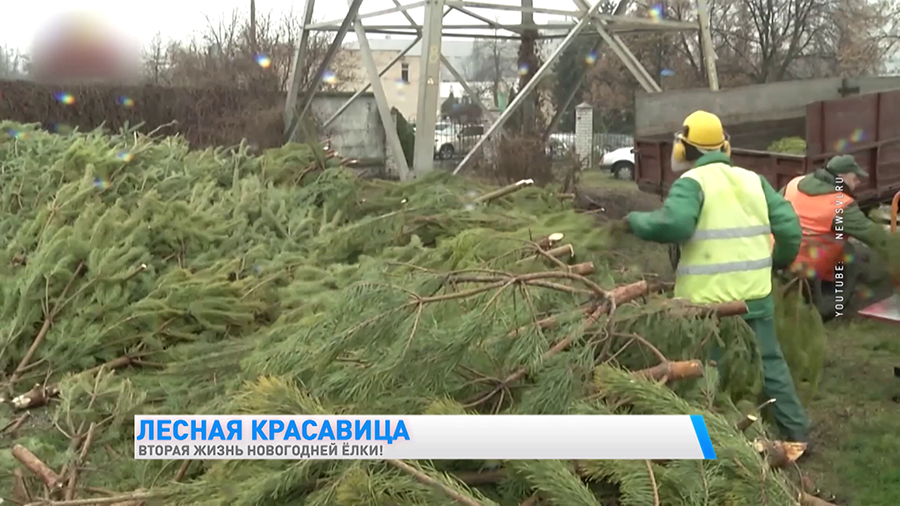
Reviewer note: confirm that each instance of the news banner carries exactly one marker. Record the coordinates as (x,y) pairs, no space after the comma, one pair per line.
(422,437)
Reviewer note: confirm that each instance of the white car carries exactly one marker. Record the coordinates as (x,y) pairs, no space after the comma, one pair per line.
(443,140)
(620,162)
(450,142)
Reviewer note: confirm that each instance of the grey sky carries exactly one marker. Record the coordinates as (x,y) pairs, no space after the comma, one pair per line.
(21,21)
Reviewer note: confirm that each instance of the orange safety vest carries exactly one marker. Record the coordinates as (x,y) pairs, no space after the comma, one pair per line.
(822,248)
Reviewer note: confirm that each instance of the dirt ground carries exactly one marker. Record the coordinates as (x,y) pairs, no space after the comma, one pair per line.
(856,427)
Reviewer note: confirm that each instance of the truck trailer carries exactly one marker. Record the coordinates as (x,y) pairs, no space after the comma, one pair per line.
(866,126)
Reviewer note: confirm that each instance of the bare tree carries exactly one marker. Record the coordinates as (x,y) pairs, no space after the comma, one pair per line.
(492,61)
(234,51)
(11,63)
(155,59)
(758,41)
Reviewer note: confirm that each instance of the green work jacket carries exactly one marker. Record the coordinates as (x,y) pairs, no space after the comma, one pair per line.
(676,223)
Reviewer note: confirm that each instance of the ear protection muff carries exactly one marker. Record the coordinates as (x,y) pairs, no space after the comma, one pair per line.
(681,146)
(679,153)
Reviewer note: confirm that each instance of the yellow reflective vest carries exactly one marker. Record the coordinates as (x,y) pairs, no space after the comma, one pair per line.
(729,257)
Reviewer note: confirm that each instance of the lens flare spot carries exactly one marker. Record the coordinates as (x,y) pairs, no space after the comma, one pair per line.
(591,58)
(15,134)
(814,252)
(848,258)
(64,98)
(125,156)
(126,101)
(811,273)
(523,69)
(841,145)
(329,77)
(865,292)
(100,183)
(858,135)
(667,72)
(263,61)
(656,12)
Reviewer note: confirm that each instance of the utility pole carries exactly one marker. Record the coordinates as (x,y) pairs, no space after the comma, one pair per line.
(429,87)
(529,39)
(253,46)
(709,57)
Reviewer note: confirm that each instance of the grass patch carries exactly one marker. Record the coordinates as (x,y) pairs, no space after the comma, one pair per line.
(854,416)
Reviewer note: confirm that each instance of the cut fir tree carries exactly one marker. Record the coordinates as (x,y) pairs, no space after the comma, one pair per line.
(179,281)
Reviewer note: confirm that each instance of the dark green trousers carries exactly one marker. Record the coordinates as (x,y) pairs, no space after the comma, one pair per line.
(788,412)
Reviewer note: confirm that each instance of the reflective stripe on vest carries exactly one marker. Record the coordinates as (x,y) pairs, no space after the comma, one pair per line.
(821,249)
(729,256)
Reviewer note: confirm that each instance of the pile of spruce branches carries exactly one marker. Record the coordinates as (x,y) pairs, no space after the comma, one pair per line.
(139,277)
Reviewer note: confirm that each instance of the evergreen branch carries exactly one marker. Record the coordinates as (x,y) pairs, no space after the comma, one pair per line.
(536,276)
(82,456)
(544,284)
(45,327)
(182,471)
(424,479)
(532,500)
(620,294)
(40,395)
(14,425)
(131,499)
(552,255)
(653,483)
(634,337)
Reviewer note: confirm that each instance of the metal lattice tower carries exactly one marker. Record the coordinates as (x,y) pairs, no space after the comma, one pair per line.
(430,29)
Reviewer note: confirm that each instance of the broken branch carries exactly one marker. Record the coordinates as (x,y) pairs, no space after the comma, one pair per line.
(37,467)
(811,500)
(670,371)
(779,453)
(40,395)
(582,269)
(745,422)
(506,190)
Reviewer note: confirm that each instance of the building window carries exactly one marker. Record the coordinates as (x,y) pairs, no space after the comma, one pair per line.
(404,72)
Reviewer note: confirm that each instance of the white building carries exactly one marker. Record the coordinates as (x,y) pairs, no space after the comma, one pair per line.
(401,83)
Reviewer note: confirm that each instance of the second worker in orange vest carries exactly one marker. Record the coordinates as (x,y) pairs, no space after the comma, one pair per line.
(829,215)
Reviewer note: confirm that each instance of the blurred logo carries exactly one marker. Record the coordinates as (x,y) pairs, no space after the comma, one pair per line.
(84,46)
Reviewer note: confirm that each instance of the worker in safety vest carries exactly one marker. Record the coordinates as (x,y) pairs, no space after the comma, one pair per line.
(723,216)
(829,215)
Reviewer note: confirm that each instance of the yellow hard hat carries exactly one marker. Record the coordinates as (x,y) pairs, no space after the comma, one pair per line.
(703,130)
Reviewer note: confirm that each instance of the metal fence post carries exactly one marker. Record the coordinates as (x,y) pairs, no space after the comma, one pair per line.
(584,134)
